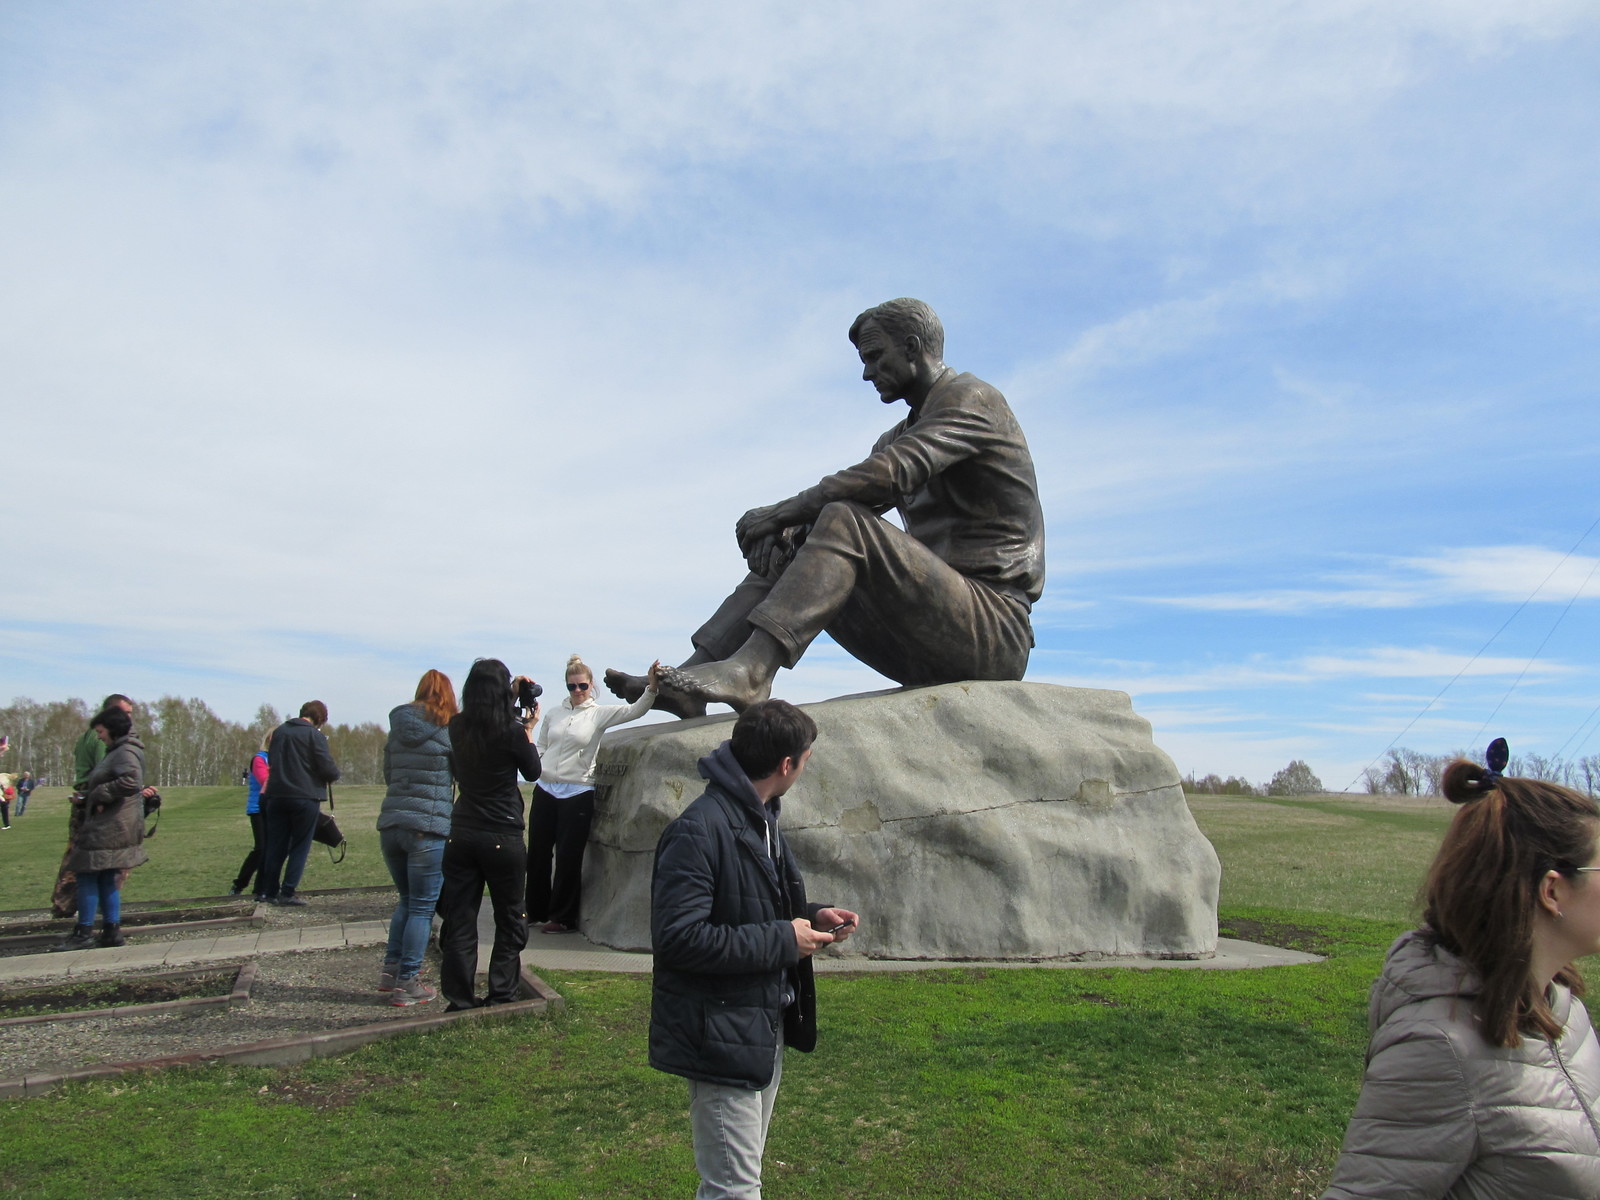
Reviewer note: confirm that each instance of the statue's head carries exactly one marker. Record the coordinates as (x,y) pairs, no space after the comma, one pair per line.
(901,343)
(903,318)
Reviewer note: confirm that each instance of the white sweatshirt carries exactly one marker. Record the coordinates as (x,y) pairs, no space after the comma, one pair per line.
(569,739)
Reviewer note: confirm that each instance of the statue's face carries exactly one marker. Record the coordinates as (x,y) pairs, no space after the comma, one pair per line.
(887,365)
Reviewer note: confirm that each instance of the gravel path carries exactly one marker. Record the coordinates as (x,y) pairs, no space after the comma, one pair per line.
(307,992)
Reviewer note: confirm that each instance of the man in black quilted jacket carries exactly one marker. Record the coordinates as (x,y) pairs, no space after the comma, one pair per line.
(733,936)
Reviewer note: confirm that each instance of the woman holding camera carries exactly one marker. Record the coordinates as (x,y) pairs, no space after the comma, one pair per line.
(562,809)
(1483,1074)
(110,834)
(490,747)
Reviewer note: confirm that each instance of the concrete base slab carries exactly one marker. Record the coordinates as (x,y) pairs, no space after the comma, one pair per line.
(574,952)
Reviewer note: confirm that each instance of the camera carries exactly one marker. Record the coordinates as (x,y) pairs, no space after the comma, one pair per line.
(528,693)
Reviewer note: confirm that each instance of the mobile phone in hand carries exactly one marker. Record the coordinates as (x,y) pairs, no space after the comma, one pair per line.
(839,926)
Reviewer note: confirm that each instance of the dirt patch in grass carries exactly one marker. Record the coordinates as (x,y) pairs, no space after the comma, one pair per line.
(324,1095)
(1273,933)
(1271,1175)
(77,995)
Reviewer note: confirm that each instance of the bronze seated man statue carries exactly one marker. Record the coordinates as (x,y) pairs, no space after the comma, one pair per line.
(947,598)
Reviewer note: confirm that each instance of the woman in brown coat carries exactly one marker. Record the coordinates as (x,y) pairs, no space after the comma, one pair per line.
(110,837)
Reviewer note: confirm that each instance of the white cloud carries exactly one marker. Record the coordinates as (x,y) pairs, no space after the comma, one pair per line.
(1471,573)
(1384,662)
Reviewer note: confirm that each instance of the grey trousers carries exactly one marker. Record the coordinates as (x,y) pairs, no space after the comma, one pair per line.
(886,598)
(730,1134)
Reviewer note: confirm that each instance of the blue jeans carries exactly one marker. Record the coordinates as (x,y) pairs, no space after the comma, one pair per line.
(98,891)
(416,862)
(288,823)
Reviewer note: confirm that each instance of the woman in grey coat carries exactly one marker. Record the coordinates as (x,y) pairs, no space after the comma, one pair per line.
(413,825)
(1483,1074)
(110,837)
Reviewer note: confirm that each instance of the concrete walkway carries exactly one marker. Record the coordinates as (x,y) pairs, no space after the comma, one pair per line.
(553,952)
(151,956)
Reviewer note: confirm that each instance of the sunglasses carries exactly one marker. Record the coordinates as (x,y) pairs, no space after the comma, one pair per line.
(577,687)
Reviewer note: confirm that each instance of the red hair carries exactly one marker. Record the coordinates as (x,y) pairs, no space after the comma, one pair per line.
(437,697)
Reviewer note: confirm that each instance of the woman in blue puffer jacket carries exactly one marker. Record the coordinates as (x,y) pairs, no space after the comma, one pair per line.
(413,825)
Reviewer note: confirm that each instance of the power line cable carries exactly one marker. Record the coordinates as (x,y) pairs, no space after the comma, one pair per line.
(1478,655)
(1592,712)
(1529,664)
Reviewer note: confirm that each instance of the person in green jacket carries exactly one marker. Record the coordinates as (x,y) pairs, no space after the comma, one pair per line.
(86,756)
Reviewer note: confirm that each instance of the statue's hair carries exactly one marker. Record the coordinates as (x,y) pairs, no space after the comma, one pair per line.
(902,318)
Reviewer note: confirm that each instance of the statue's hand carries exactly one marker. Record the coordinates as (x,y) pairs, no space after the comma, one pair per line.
(768,522)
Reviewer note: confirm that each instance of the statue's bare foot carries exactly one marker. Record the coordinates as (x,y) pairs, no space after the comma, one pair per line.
(668,699)
(624,686)
(727,682)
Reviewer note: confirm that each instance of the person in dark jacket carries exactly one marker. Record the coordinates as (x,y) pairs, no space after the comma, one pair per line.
(110,833)
(25,786)
(260,770)
(489,748)
(413,825)
(302,769)
(733,936)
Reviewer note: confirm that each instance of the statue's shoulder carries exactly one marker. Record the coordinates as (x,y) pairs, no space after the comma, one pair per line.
(964,390)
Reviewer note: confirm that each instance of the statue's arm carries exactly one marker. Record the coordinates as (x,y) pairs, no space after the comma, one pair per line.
(904,464)
(901,464)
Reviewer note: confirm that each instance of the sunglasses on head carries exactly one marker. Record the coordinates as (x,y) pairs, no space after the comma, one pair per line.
(577,687)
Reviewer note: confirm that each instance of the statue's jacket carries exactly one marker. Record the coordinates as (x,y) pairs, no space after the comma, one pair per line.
(959,470)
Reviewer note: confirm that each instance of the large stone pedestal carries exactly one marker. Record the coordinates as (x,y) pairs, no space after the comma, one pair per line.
(972,820)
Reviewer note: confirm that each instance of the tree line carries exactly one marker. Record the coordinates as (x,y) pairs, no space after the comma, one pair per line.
(1403,772)
(185,743)
(1296,779)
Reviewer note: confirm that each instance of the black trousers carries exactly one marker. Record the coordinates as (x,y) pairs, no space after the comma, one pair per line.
(247,871)
(288,824)
(559,827)
(474,859)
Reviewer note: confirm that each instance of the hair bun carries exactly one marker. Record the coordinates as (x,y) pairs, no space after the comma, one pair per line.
(574,660)
(1464,781)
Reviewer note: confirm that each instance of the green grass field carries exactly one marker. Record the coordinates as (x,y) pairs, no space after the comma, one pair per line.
(199,845)
(1093,1084)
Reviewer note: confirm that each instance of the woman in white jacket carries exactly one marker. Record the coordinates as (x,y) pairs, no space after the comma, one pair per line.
(562,809)
(1483,1075)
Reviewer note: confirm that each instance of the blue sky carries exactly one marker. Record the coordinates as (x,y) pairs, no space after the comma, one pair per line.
(347,341)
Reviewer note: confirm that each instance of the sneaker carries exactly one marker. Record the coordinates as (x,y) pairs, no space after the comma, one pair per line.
(557,927)
(288,902)
(386,977)
(411,991)
(235,891)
